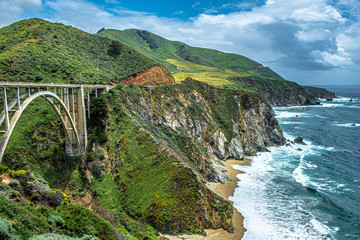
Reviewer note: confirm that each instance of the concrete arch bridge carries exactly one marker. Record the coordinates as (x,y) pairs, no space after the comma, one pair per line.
(71,103)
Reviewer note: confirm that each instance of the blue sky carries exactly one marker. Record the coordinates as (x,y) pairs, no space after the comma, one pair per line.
(308,41)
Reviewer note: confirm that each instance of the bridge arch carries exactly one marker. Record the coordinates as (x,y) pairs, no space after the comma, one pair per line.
(68,101)
(71,133)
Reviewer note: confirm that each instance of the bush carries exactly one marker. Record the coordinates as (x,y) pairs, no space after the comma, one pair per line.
(14,183)
(6,230)
(3,168)
(52,236)
(115,48)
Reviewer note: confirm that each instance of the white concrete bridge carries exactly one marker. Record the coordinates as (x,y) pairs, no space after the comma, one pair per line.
(71,103)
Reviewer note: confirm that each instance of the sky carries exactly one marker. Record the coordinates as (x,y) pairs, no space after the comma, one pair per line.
(311,42)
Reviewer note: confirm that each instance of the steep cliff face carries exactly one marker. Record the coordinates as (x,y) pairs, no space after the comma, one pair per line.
(156,75)
(320,92)
(203,125)
(279,93)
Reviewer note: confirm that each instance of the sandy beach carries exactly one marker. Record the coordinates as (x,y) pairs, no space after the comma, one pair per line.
(225,190)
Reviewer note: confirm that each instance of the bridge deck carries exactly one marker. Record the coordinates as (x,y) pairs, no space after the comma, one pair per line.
(52,85)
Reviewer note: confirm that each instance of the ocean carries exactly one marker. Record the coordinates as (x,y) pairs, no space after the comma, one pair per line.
(307,191)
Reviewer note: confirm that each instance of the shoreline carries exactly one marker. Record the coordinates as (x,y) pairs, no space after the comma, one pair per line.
(224,190)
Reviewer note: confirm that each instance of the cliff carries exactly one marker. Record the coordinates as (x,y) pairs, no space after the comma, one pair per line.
(320,92)
(279,93)
(203,125)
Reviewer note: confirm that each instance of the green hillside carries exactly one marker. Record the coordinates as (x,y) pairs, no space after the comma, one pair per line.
(224,70)
(211,66)
(35,50)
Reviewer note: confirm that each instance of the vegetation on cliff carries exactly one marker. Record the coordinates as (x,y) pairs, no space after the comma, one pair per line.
(320,92)
(29,208)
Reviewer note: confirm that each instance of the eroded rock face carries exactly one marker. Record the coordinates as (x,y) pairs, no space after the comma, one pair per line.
(211,124)
(154,76)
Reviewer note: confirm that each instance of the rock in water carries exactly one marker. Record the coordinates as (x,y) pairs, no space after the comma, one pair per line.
(299,140)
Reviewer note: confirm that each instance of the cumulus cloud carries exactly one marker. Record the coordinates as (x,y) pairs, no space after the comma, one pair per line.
(302,34)
(11,10)
(284,34)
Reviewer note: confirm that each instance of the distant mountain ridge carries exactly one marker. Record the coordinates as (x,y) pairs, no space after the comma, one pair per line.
(224,70)
(161,50)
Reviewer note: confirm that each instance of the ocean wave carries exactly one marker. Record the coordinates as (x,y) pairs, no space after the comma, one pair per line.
(334,104)
(342,99)
(290,122)
(286,114)
(268,207)
(320,116)
(347,124)
(309,149)
(320,227)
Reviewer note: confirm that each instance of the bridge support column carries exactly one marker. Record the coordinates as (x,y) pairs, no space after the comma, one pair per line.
(81,118)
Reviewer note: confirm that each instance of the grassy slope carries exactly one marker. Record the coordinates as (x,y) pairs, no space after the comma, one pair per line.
(35,50)
(186,61)
(224,70)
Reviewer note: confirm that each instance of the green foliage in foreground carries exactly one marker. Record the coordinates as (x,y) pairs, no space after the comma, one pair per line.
(35,50)
(22,221)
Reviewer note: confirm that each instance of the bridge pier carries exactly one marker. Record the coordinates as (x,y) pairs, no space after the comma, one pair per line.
(68,102)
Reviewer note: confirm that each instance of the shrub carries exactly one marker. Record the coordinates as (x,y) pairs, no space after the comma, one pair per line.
(52,236)
(6,230)
(115,48)
(3,168)
(14,183)
(56,220)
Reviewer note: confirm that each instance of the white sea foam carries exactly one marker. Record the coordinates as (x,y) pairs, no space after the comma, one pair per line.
(334,104)
(269,214)
(286,114)
(291,122)
(301,178)
(320,227)
(320,116)
(341,99)
(347,124)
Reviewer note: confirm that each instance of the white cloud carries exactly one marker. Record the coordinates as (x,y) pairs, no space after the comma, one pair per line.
(337,59)
(195,4)
(285,34)
(270,2)
(11,10)
(313,35)
(317,13)
(112,1)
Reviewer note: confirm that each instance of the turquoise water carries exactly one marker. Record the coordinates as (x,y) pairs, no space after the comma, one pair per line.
(307,191)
